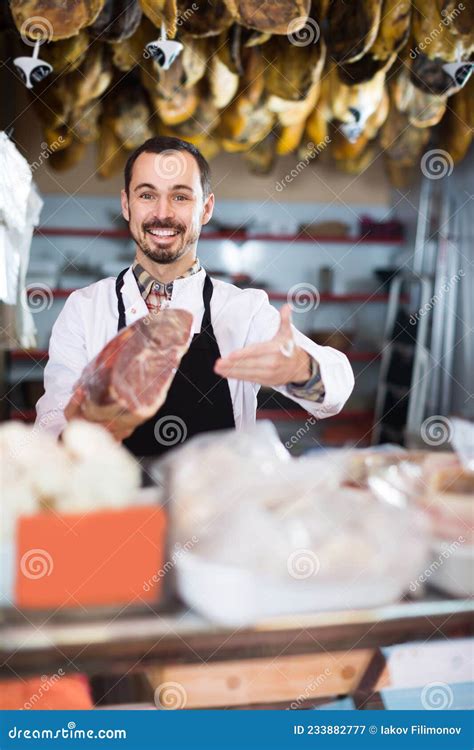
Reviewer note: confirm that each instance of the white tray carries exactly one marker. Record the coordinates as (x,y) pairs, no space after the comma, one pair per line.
(232,596)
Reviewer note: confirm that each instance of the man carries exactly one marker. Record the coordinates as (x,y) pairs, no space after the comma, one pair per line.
(239,343)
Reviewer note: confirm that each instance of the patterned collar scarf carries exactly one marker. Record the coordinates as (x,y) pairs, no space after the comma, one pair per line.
(154,292)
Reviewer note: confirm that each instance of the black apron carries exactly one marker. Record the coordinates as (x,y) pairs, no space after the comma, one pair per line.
(198,400)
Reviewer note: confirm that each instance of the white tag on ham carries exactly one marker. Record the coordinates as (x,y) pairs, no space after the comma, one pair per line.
(136,368)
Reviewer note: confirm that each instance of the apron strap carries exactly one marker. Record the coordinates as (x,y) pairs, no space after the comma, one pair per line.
(121,307)
(207,295)
(206,324)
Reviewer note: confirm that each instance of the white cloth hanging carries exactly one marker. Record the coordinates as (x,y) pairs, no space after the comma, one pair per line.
(20,208)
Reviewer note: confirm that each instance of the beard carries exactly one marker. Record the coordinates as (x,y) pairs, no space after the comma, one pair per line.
(165,252)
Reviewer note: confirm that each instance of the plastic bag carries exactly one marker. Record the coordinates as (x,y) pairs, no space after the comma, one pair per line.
(280,535)
(443,490)
(463,442)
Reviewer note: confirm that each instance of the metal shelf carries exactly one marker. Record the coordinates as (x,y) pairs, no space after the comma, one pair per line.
(25,355)
(23,415)
(350,297)
(284,415)
(229,235)
(288,415)
(366,297)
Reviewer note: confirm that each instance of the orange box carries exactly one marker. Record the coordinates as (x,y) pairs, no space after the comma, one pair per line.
(97,558)
(56,692)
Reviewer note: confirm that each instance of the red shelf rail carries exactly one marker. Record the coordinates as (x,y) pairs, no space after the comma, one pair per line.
(23,415)
(116,234)
(124,234)
(283,415)
(366,297)
(351,297)
(24,355)
(288,415)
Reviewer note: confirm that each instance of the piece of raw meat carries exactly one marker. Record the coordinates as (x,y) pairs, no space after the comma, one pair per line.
(136,368)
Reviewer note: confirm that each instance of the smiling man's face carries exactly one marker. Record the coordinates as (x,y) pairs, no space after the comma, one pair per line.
(165,207)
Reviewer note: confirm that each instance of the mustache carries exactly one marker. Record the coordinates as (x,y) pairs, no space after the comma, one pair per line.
(163,225)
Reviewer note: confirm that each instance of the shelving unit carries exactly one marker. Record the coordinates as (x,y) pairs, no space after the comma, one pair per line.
(251,259)
(23,415)
(23,355)
(366,297)
(283,415)
(237,235)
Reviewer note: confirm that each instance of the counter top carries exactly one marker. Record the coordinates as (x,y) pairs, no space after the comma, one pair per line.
(126,640)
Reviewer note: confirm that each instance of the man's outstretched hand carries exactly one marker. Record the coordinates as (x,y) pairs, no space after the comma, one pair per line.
(275,362)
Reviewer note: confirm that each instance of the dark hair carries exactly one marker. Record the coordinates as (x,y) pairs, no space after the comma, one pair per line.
(160,143)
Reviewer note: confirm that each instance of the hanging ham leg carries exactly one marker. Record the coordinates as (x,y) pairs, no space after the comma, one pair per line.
(136,368)
(50,20)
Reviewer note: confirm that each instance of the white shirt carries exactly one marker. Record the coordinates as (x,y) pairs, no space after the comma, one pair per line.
(239,317)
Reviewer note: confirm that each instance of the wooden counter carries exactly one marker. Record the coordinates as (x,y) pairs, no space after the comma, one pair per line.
(306,658)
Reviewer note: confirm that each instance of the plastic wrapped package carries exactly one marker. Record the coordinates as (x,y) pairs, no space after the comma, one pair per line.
(34,471)
(463,441)
(438,484)
(104,474)
(278,535)
(219,461)
(86,471)
(443,489)
(362,463)
(449,487)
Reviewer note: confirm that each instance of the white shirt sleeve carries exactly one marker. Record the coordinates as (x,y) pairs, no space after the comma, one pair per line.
(67,359)
(336,372)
